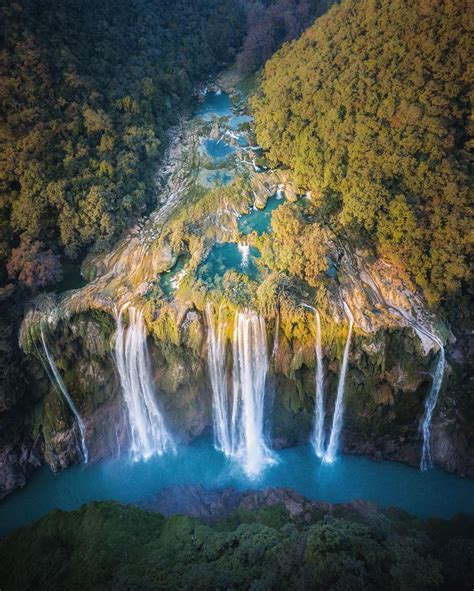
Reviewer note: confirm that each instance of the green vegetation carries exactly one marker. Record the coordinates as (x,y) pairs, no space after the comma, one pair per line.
(110,546)
(370,110)
(87,92)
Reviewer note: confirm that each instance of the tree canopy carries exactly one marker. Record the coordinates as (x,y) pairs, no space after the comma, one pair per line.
(370,109)
(108,546)
(87,91)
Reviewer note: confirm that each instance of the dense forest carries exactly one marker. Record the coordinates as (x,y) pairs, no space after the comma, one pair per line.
(111,546)
(272,23)
(370,110)
(87,91)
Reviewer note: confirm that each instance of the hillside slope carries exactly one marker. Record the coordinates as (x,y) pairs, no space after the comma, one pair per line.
(369,108)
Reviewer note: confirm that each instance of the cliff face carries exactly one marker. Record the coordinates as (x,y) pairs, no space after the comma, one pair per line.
(387,383)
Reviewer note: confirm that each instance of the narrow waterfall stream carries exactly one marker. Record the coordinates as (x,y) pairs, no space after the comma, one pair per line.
(330,454)
(433,394)
(423,334)
(318,436)
(57,380)
(276,341)
(149,434)
(250,368)
(217,361)
(430,404)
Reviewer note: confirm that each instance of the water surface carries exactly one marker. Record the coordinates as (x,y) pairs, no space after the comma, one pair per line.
(169,279)
(224,256)
(428,494)
(259,219)
(217,150)
(215,104)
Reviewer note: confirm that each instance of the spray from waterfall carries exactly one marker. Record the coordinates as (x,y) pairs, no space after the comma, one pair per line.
(149,435)
(250,368)
(217,361)
(331,450)
(57,380)
(318,437)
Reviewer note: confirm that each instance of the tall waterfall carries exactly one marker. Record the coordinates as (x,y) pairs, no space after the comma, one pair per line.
(56,378)
(216,356)
(149,435)
(318,433)
(330,454)
(430,403)
(250,368)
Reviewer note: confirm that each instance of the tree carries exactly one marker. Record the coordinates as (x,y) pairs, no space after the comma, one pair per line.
(33,266)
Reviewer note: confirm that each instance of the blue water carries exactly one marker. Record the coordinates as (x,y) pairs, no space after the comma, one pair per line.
(237,121)
(216,177)
(166,278)
(224,256)
(428,494)
(214,105)
(217,150)
(259,219)
(332,269)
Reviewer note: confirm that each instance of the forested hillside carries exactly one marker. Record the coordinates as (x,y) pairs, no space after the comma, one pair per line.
(273,22)
(370,109)
(87,90)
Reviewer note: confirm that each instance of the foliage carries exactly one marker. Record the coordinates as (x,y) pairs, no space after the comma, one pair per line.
(87,91)
(33,266)
(272,23)
(105,545)
(370,110)
(295,245)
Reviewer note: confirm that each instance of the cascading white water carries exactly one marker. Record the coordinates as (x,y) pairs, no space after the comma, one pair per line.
(244,250)
(430,403)
(250,368)
(318,437)
(149,435)
(58,382)
(217,361)
(331,450)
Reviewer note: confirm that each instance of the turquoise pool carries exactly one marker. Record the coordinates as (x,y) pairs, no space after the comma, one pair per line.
(432,493)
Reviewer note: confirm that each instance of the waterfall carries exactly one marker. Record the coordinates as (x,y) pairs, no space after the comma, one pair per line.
(216,356)
(331,450)
(432,398)
(58,382)
(244,250)
(149,435)
(430,404)
(250,368)
(425,336)
(276,337)
(319,411)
